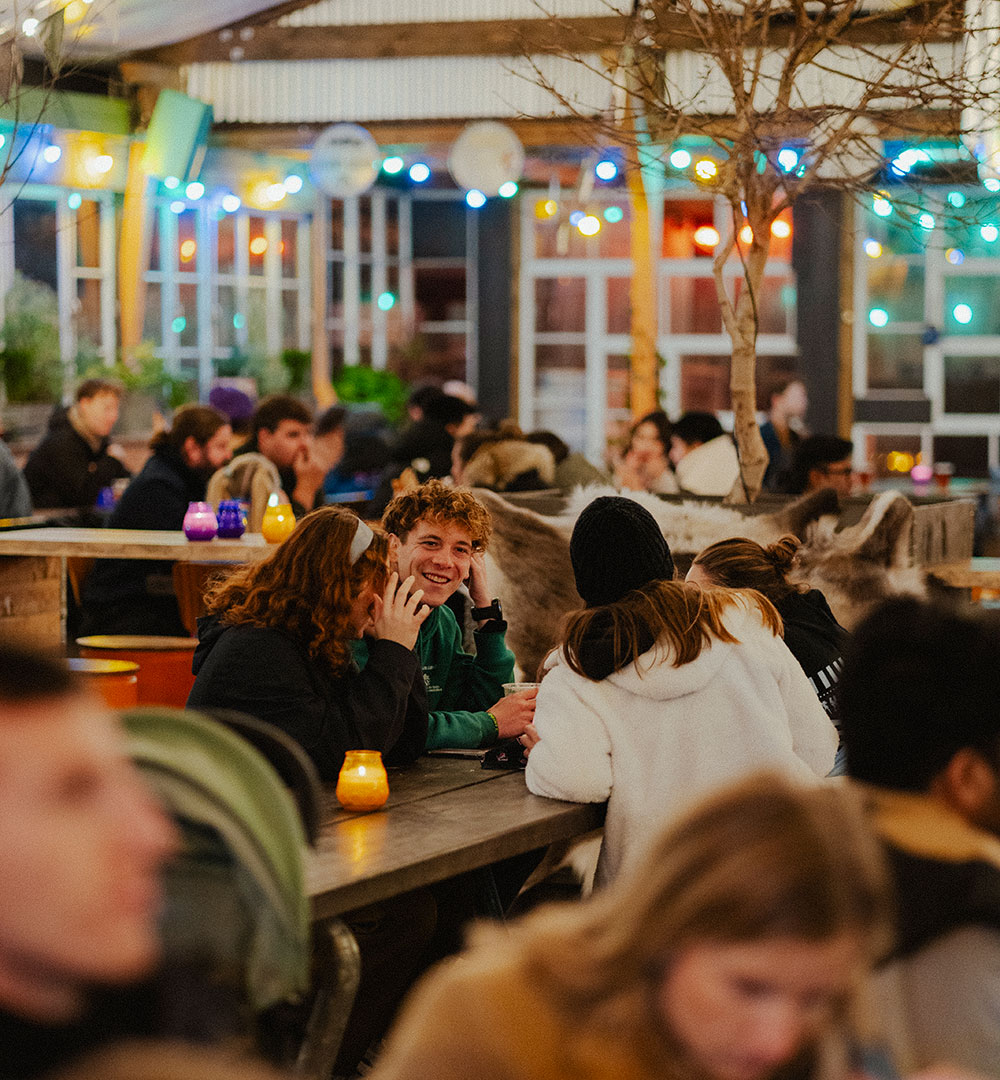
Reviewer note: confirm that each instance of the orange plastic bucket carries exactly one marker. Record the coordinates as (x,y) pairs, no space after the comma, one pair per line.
(116,681)
(165,676)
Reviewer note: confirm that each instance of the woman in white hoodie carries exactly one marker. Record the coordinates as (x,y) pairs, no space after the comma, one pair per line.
(663,691)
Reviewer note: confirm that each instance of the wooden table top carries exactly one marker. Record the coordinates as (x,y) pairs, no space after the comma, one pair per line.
(444,816)
(975,573)
(132,544)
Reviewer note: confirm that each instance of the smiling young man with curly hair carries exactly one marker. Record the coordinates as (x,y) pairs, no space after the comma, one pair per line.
(440,536)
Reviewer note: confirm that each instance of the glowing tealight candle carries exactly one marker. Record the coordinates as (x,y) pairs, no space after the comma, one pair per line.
(278,522)
(362,783)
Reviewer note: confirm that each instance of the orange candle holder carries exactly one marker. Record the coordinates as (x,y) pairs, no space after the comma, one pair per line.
(278,522)
(362,783)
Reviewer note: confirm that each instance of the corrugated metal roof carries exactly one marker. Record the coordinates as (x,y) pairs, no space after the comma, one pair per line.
(419,88)
(369,12)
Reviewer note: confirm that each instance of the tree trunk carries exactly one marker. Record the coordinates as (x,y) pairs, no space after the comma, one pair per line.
(644,370)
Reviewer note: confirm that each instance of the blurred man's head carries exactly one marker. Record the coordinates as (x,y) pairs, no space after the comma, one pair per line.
(330,434)
(97,405)
(919,711)
(821,461)
(283,428)
(81,845)
(691,431)
(789,400)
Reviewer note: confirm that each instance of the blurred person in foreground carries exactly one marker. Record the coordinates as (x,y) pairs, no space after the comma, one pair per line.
(81,846)
(734,951)
(920,714)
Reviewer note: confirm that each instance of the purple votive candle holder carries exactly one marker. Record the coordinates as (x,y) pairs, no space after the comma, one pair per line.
(200,522)
(232,524)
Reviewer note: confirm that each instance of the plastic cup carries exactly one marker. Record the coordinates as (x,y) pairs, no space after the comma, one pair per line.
(516,687)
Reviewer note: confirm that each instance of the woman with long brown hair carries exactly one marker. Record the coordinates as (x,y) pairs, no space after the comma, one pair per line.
(737,950)
(811,631)
(663,691)
(277,644)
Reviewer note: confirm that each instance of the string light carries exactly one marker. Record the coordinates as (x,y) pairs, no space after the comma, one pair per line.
(546,208)
(589,225)
(231,203)
(293,183)
(706,169)
(746,235)
(171,183)
(258,245)
(74,201)
(507,190)
(613,214)
(706,236)
(962,313)
(475,198)
(386,301)
(52,154)
(393,165)
(881,206)
(188,248)
(195,190)
(878,317)
(680,159)
(420,172)
(606,170)
(873,249)
(781,229)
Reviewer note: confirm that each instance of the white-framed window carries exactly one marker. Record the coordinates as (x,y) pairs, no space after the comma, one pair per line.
(927,329)
(574,311)
(220,284)
(66,240)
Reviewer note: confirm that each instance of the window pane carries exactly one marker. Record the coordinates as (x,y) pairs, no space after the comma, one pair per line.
(619,306)
(154,242)
(618,387)
(438,229)
(290,318)
(365,224)
(614,237)
(970,305)
(391,227)
(440,293)
(694,306)
(35,240)
(337,225)
(258,245)
(895,361)
(444,356)
(705,383)
(88,233)
(185,320)
(559,391)
(186,243)
(775,304)
(88,315)
(560,304)
(897,286)
(152,327)
(289,248)
(968,453)
(227,244)
(226,317)
(681,217)
(972,384)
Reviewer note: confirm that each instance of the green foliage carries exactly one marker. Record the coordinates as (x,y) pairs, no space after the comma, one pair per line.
(297,363)
(146,373)
(32,369)
(361,384)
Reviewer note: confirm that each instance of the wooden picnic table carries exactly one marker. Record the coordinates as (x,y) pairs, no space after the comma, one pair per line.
(33,569)
(444,816)
(966,575)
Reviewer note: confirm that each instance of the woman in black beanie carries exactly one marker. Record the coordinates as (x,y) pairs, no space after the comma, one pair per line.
(663,691)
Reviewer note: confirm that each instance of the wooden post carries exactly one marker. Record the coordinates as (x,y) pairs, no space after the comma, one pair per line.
(133,252)
(322,382)
(644,380)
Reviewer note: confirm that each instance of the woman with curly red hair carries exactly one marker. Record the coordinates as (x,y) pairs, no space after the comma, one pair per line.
(276,643)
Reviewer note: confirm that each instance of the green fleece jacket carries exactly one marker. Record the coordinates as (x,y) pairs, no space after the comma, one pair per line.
(460,687)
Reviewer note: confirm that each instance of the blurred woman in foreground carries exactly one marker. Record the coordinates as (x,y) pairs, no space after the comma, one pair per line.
(735,952)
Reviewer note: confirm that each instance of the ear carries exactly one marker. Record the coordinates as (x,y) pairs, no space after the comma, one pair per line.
(967,784)
(192,451)
(393,547)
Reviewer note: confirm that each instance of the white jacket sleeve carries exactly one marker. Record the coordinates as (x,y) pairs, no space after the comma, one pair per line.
(572,759)
(814,738)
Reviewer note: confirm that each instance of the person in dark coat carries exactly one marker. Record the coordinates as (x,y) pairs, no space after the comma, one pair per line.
(276,643)
(136,596)
(71,465)
(812,634)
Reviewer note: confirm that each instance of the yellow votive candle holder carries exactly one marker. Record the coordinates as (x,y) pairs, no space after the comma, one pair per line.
(278,522)
(362,783)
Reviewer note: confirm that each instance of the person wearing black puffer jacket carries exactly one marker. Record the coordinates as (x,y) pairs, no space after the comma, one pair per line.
(136,596)
(811,632)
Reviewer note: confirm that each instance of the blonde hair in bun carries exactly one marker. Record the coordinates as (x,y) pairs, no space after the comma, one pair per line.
(741,563)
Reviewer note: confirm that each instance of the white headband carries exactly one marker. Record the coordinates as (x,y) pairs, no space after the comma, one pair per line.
(363,537)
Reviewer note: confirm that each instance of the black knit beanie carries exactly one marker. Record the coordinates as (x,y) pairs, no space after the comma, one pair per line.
(616,547)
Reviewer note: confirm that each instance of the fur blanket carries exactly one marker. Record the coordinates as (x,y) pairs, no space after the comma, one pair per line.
(856,567)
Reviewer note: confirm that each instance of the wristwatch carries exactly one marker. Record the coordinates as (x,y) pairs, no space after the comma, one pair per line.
(491,611)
